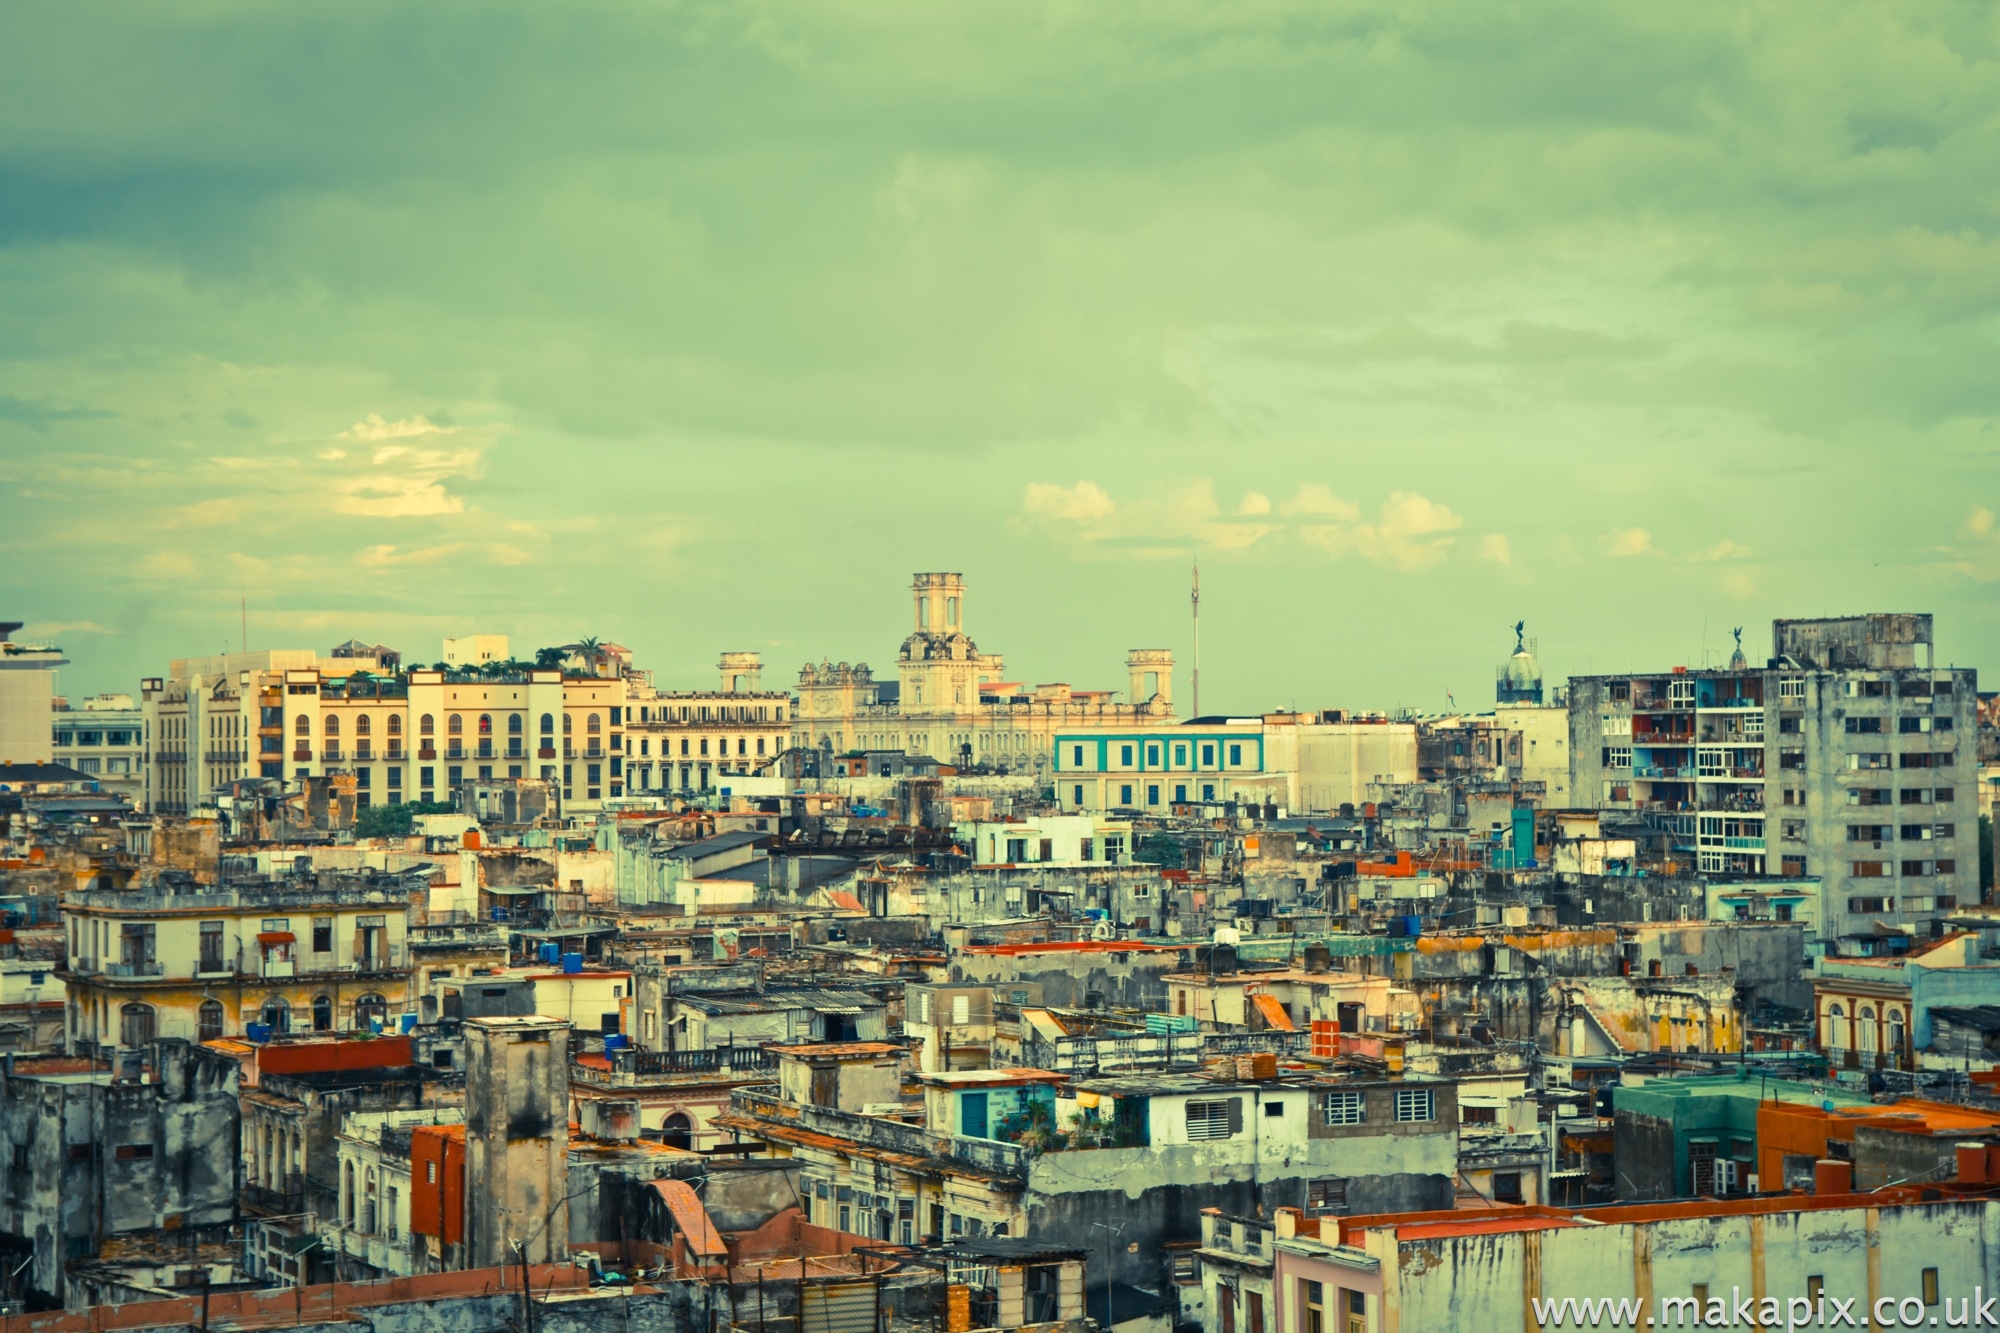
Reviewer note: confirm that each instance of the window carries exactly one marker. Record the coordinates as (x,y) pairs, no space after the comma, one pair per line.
(593,724)
(426,725)
(1415,1104)
(1235,755)
(1865,905)
(1864,726)
(302,728)
(1345,1108)
(322,934)
(1125,755)
(1152,793)
(1125,794)
(208,1021)
(1507,1187)
(1214,1120)
(1930,1286)
(548,724)
(455,725)
(1328,1194)
(1253,1312)
(1617,756)
(1868,869)
(134,1152)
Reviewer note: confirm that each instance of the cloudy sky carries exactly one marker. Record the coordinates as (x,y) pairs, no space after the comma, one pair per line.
(701,328)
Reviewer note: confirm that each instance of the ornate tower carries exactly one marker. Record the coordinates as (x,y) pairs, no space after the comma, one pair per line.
(1152,677)
(742,673)
(940,603)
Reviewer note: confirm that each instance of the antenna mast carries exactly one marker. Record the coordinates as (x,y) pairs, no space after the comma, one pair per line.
(1194,602)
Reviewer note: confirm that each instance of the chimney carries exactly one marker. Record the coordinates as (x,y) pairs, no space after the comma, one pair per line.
(1833,1177)
(1287,1223)
(1971,1163)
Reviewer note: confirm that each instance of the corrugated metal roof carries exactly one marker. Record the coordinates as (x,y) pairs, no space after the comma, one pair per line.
(691,1219)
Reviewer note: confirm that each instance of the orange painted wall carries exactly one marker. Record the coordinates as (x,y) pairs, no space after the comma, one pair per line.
(437,1182)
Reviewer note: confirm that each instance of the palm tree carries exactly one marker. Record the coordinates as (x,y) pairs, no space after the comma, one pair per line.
(548,659)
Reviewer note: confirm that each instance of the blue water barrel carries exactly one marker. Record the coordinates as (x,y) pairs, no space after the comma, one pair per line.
(572,962)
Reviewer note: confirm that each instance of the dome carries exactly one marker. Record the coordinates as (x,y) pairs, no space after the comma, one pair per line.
(1522,671)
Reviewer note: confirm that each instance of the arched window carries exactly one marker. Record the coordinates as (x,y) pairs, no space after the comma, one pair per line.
(278,1015)
(367,1227)
(347,1193)
(135,1025)
(455,725)
(361,724)
(303,726)
(486,724)
(1896,1034)
(333,724)
(566,721)
(369,1010)
(1836,1025)
(322,1013)
(677,1131)
(593,726)
(395,724)
(427,725)
(513,724)
(1867,1018)
(208,1021)
(548,724)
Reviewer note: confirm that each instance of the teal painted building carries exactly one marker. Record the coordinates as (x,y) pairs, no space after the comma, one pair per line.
(1675,1138)
(1204,761)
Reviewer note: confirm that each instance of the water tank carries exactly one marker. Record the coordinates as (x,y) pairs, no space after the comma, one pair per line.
(549,952)
(616,1041)
(572,962)
(257,1031)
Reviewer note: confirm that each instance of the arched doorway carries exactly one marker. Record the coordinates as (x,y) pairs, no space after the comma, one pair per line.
(677,1131)
(278,1015)
(322,1013)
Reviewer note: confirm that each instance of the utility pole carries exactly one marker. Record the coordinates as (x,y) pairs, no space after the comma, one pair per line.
(1194,603)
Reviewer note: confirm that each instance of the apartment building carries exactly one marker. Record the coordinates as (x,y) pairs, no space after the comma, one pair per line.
(956,704)
(689,741)
(319,951)
(105,740)
(1849,756)
(416,736)
(1299,761)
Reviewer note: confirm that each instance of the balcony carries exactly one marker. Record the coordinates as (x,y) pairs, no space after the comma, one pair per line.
(145,967)
(362,752)
(426,753)
(395,751)
(546,752)
(285,1197)
(455,750)
(302,755)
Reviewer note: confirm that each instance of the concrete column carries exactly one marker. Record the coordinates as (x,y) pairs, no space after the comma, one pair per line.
(516,1139)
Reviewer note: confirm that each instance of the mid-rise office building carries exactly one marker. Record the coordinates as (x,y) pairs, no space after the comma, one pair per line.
(1849,756)
(27,697)
(103,738)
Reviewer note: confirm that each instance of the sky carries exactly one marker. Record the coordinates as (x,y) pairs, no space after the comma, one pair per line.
(702,328)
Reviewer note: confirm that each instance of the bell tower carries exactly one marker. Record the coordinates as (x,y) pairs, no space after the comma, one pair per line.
(939,603)
(1151,671)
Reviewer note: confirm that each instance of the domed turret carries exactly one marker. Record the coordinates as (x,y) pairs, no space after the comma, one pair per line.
(1520,680)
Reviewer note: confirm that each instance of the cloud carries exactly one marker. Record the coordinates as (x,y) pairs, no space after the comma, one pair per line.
(54,629)
(1316,500)
(1623,542)
(373,427)
(1727,550)
(1407,534)
(1738,584)
(1253,504)
(1979,523)
(404,482)
(39,416)
(1493,546)
(1085,502)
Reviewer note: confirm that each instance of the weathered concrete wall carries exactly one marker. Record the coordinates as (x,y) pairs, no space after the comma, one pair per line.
(1645,1150)
(1479,1282)
(1127,981)
(516,1137)
(1157,1194)
(1884,1156)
